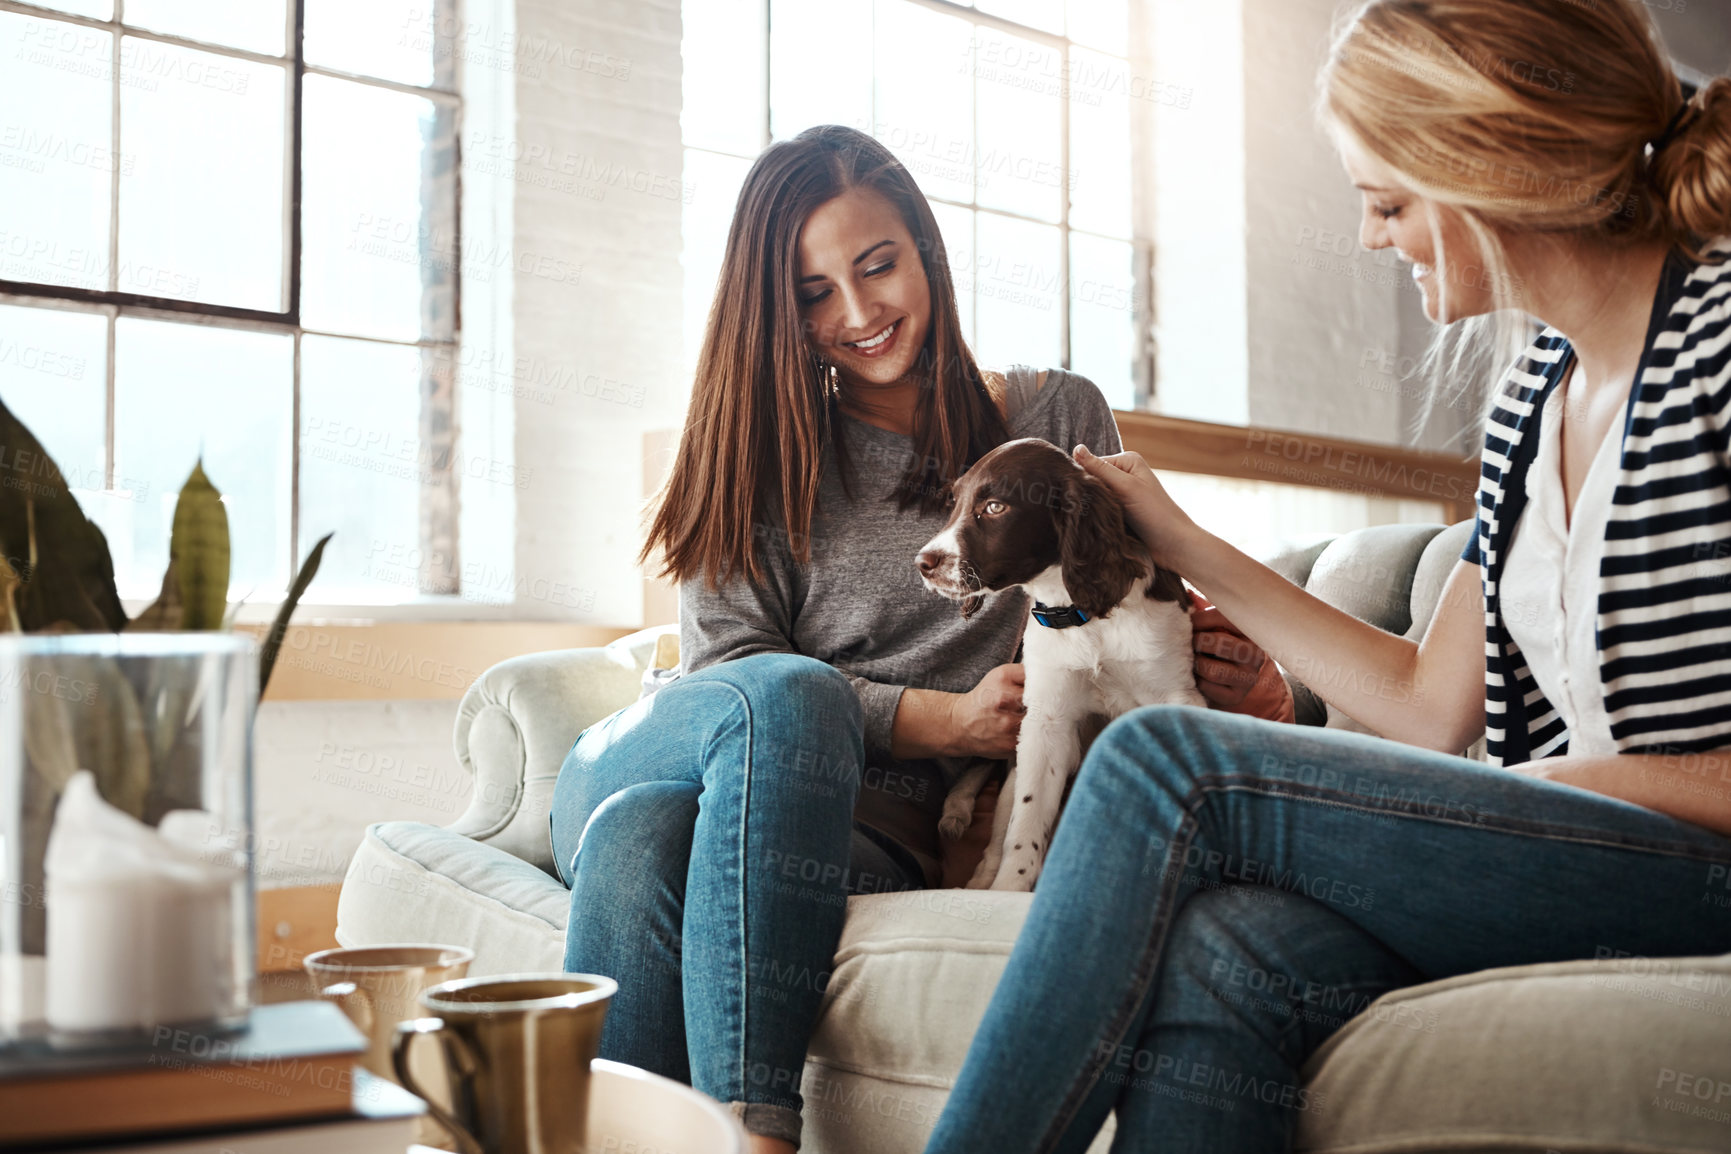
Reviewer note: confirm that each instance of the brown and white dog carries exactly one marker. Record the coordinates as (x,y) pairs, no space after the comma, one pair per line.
(1110,631)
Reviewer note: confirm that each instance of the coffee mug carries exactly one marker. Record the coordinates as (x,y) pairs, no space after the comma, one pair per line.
(377,987)
(517,1049)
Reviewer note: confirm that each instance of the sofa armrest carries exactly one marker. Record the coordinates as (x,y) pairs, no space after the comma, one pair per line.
(514,727)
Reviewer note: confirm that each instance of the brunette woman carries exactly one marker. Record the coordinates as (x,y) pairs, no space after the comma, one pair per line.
(711,833)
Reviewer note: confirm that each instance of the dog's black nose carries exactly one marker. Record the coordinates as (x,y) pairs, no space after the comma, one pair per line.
(929,562)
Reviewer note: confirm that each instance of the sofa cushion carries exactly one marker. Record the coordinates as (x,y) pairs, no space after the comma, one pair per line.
(913,975)
(410,882)
(1435,566)
(1368,573)
(1627,1055)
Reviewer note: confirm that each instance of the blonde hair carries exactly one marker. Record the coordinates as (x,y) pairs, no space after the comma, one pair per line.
(1531,116)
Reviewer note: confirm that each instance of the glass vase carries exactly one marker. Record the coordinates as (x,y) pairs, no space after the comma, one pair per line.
(126,890)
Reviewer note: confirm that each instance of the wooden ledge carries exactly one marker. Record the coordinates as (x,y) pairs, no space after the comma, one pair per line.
(1288,458)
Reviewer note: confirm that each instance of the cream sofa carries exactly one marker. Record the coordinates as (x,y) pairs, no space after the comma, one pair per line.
(1589,1056)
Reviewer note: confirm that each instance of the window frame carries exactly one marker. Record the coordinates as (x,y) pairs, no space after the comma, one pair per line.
(114,304)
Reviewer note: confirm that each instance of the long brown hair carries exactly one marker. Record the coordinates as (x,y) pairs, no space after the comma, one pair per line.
(762,406)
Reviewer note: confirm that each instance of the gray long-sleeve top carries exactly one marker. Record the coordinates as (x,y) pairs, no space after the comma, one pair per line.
(861,607)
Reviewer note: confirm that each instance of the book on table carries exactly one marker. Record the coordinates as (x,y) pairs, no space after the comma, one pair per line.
(294,1060)
(381,1120)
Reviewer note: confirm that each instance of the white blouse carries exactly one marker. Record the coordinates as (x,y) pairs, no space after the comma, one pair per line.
(1550,585)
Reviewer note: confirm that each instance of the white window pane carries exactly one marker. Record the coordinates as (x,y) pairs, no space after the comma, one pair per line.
(362,467)
(379,241)
(198,221)
(1103,315)
(1100,23)
(1018,285)
(95,9)
(1099,143)
(925,100)
(1046,15)
(1019,87)
(705,219)
(182,390)
(55,151)
(258,25)
(53,377)
(723,49)
(404,40)
(956,226)
(820,57)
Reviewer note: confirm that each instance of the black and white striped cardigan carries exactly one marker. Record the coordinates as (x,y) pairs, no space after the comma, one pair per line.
(1664,612)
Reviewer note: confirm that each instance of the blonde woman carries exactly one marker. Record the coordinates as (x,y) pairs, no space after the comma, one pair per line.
(1586,632)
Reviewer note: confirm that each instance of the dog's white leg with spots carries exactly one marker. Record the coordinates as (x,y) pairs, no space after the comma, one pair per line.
(1047,754)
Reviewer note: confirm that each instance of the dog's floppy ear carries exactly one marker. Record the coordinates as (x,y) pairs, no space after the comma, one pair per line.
(1167,586)
(1094,551)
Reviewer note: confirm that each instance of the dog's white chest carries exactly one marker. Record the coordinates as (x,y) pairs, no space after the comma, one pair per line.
(1074,677)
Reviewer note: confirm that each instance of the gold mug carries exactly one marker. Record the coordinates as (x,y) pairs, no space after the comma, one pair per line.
(377,987)
(517,1049)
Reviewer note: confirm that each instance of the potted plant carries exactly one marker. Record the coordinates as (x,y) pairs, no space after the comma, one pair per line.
(157,710)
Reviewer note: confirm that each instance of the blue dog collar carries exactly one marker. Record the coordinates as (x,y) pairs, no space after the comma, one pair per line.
(1062,617)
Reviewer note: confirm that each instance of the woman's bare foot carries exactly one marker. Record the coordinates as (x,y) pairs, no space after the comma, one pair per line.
(758,1144)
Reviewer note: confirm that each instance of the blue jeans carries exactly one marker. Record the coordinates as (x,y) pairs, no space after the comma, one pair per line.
(707,835)
(1222,893)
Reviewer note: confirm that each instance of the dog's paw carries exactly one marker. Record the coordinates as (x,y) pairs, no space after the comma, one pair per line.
(956,820)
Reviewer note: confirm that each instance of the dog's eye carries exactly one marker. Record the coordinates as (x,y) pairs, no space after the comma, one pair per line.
(993,508)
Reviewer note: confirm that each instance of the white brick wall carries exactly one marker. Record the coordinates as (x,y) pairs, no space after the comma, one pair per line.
(324,770)
(598,186)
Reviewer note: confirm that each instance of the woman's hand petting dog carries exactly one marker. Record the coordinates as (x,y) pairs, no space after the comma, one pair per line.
(1149,510)
(1232,671)
(986,719)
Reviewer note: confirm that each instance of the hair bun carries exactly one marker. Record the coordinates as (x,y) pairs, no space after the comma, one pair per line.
(1692,171)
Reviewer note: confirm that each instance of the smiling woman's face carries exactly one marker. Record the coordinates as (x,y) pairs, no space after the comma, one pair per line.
(862,287)
(1445,257)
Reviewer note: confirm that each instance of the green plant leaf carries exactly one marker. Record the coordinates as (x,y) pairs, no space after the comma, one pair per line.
(9,583)
(279,627)
(165,613)
(61,556)
(198,550)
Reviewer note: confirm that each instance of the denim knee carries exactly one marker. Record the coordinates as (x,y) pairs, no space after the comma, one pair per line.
(1181,738)
(638,844)
(793,675)
(1141,735)
(786,691)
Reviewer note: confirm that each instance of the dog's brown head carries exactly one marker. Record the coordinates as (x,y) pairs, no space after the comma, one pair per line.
(1025,507)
